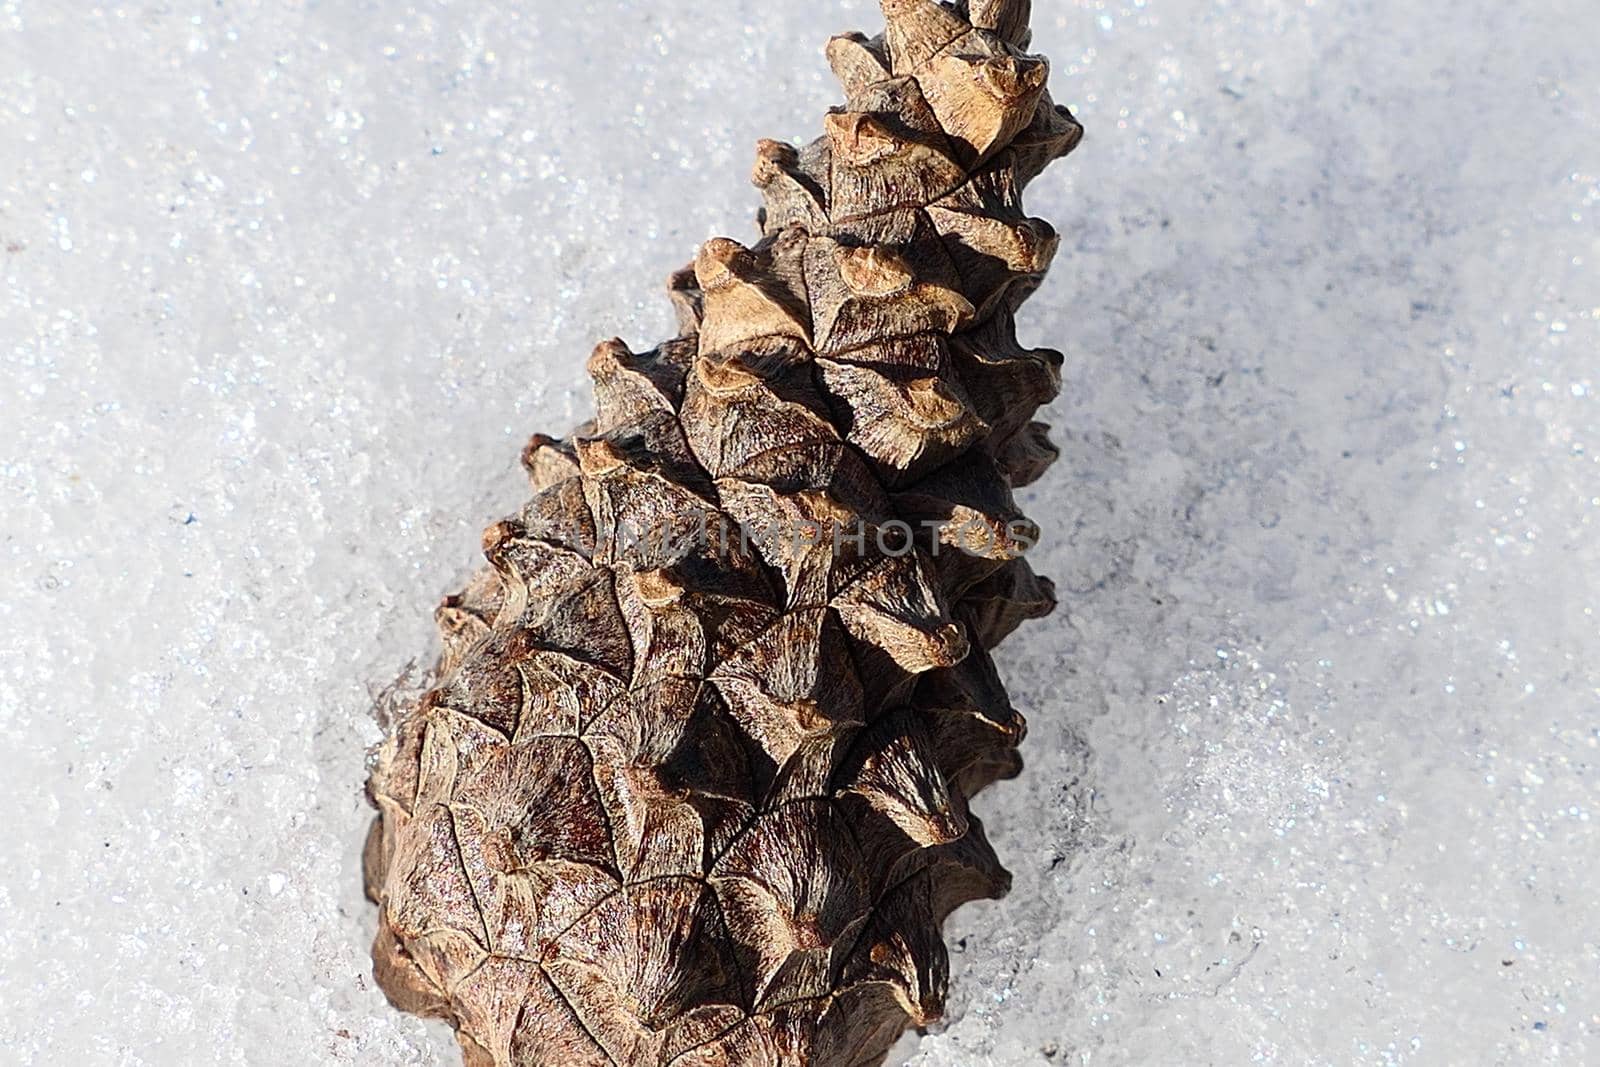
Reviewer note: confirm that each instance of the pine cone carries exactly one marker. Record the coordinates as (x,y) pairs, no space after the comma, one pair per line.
(692,788)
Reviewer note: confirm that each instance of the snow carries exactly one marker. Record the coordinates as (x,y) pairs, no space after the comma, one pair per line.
(1314,737)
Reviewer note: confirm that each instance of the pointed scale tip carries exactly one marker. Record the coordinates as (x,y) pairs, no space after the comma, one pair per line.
(607,358)
(1006,19)
(715,265)
(1010,78)
(873,270)
(772,159)
(855,62)
(859,138)
(918,30)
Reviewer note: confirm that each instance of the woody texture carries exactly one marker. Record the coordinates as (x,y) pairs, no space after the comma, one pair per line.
(701,801)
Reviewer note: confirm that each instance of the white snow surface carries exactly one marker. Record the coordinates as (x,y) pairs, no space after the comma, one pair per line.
(1314,735)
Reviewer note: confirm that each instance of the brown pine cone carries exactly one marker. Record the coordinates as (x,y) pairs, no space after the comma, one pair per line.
(692,789)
